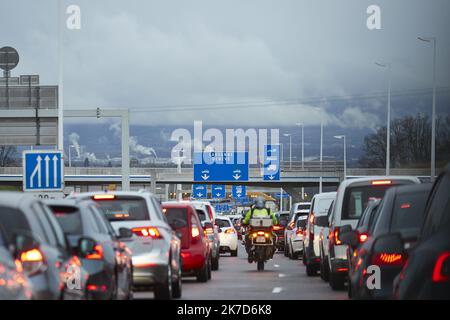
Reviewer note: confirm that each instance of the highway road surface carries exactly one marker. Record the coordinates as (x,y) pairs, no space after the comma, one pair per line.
(236,279)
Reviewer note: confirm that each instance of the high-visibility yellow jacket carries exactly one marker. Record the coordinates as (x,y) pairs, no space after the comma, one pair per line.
(258,213)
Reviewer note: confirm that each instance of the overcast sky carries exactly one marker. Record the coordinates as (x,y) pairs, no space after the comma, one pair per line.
(142,54)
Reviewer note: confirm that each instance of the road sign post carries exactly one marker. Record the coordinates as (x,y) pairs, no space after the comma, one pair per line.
(271,162)
(220,166)
(239,192)
(43,171)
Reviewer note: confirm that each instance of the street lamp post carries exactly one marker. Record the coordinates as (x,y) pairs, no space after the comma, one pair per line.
(345,154)
(290,148)
(433,112)
(303,144)
(388,127)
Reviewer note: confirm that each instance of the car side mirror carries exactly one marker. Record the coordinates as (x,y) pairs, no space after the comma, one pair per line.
(390,244)
(86,246)
(25,242)
(125,233)
(349,238)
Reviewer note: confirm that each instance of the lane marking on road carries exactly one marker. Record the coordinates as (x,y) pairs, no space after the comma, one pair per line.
(276,265)
(281,275)
(277,290)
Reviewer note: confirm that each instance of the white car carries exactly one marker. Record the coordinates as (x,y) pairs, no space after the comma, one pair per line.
(301,208)
(295,242)
(228,236)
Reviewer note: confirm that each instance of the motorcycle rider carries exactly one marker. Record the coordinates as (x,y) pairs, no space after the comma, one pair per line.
(258,210)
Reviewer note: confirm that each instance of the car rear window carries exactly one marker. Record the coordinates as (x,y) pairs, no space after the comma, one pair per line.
(301,222)
(176,213)
(303,207)
(408,212)
(321,206)
(125,209)
(221,223)
(202,215)
(356,199)
(12,220)
(283,219)
(69,218)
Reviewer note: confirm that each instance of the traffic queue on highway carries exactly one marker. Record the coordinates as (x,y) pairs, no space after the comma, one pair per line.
(378,237)
(107,245)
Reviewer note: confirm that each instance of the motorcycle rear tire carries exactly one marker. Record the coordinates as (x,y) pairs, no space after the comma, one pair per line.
(260,265)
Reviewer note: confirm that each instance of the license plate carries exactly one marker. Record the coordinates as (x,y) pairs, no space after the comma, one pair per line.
(260,239)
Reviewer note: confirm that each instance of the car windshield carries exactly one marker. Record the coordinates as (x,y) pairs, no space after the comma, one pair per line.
(223,223)
(321,206)
(303,206)
(12,220)
(69,218)
(125,209)
(173,214)
(408,212)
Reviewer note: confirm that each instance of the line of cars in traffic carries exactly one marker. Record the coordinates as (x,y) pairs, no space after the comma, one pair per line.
(381,237)
(107,245)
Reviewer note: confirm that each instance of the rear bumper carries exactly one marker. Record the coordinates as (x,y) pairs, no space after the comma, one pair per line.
(150,269)
(228,241)
(192,261)
(297,245)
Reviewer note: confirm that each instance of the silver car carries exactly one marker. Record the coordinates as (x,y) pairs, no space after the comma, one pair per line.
(155,247)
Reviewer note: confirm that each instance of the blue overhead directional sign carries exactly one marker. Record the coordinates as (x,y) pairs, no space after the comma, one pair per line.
(221,166)
(272,162)
(43,170)
(218,191)
(199,191)
(239,192)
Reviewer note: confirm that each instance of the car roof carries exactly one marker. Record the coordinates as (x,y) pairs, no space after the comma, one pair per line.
(424,187)
(118,193)
(325,195)
(14,199)
(368,180)
(176,204)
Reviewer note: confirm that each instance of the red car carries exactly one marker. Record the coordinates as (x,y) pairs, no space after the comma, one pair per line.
(195,249)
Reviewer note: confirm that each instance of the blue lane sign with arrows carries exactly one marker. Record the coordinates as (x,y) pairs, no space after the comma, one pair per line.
(221,166)
(239,192)
(43,170)
(199,191)
(218,191)
(272,162)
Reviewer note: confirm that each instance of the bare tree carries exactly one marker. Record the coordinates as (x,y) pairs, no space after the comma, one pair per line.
(7,154)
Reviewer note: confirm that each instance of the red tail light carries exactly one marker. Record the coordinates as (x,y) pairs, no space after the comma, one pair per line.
(209,231)
(311,218)
(390,259)
(362,237)
(276,228)
(299,232)
(97,254)
(441,272)
(337,241)
(104,197)
(311,227)
(32,261)
(381,182)
(230,231)
(195,232)
(291,225)
(147,232)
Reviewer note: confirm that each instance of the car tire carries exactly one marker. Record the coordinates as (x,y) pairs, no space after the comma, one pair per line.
(311,270)
(209,270)
(202,275)
(260,266)
(163,291)
(295,256)
(286,251)
(215,264)
(177,285)
(234,253)
(304,256)
(336,281)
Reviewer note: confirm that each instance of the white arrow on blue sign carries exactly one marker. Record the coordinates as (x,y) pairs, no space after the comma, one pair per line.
(43,170)
(239,192)
(218,191)
(220,166)
(272,162)
(199,191)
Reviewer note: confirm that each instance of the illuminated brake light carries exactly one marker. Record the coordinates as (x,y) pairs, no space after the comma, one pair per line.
(260,233)
(311,218)
(336,236)
(147,232)
(405,206)
(230,231)
(381,182)
(276,228)
(195,232)
(299,232)
(291,225)
(363,237)
(97,254)
(388,259)
(33,255)
(439,270)
(104,197)
(209,231)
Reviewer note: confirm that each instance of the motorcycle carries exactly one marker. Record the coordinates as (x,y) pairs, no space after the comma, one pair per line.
(262,241)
